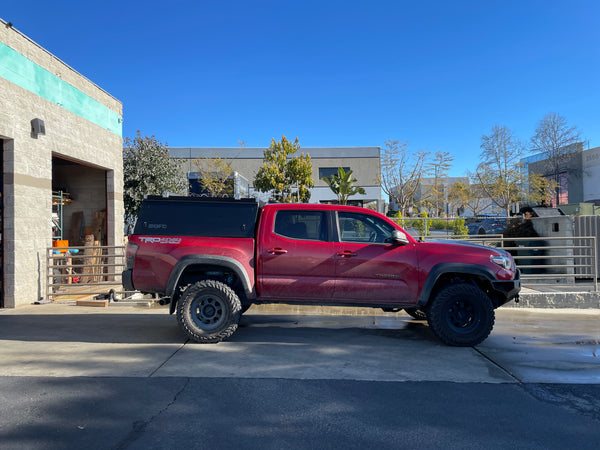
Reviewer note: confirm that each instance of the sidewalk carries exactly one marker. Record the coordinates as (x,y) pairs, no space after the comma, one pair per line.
(526,345)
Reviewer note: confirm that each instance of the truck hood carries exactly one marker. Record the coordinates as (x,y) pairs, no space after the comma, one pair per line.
(459,243)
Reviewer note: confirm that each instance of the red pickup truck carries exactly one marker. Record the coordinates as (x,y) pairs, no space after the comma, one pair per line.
(212,259)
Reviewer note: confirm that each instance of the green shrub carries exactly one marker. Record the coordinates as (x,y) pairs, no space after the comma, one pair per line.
(459,227)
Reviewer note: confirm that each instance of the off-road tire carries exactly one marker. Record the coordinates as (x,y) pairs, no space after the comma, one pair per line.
(208,311)
(416,313)
(461,315)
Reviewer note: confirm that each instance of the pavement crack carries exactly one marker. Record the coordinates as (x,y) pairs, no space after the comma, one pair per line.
(138,427)
(503,369)
(168,359)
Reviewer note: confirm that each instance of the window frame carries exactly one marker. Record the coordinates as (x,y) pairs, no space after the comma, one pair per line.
(324,225)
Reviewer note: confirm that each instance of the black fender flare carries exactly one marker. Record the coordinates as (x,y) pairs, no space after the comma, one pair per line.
(222,261)
(459,268)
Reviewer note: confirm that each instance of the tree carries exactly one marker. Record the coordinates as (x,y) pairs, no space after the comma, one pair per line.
(469,197)
(342,185)
(438,167)
(215,173)
(557,142)
(148,170)
(401,173)
(498,174)
(541,189)
(281,172)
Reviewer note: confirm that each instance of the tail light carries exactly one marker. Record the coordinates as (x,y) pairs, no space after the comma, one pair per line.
(130,252)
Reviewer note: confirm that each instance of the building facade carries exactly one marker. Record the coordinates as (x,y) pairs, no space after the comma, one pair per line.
(62,166)
(363,161)
(578,175)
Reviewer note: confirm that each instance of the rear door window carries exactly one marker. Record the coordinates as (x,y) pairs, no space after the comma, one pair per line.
(301,225)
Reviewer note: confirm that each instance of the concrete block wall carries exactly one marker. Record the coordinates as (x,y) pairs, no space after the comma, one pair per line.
(70,133)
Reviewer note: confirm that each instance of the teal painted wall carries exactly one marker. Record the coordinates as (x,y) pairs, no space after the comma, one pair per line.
(23,72)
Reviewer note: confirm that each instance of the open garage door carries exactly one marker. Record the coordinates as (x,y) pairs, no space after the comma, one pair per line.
(79,202)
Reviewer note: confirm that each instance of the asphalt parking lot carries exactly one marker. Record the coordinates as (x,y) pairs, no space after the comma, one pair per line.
(125,377)
(526,346)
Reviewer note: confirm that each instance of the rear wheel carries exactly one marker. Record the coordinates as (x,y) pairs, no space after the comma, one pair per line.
(208,311)
(461,315)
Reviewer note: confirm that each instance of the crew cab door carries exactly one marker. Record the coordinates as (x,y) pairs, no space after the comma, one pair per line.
(369,266)
(295,256)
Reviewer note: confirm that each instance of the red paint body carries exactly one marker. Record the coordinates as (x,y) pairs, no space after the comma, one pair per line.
(328,271)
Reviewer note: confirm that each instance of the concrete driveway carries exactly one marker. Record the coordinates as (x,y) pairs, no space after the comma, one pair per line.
(526,346)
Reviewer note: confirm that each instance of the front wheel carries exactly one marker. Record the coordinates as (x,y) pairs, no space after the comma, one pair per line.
(461,315)
(208,311)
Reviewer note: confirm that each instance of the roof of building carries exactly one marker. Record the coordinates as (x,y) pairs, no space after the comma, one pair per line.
(258,152)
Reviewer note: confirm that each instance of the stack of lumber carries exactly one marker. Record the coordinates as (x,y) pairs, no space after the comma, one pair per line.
(92,256)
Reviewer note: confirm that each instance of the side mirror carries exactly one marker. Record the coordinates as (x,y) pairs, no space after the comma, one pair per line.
(399,238)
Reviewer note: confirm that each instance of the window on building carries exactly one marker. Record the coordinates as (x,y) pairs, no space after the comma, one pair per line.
(326,172)
(563,186)
(563,190)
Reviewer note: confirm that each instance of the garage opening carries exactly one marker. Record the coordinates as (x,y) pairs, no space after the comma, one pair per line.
(81,263)
(79,203)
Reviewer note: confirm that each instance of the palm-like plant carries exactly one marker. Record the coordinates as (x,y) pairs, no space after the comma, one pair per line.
(342,185)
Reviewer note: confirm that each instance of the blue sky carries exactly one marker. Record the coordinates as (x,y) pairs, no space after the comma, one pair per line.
(438,74)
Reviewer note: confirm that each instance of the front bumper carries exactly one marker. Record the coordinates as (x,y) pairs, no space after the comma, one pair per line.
(508,289)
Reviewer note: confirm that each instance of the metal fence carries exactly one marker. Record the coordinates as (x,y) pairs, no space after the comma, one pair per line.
(588,226)
(548,261)
(81,272)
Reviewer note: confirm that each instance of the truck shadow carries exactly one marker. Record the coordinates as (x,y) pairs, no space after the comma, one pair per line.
(289,328)
(94,328)
(159,328)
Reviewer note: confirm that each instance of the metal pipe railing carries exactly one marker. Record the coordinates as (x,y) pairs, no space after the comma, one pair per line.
(569,260)
(74,271)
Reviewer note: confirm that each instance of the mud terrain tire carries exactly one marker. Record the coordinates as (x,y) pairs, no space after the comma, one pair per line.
(461,315)
(208,311)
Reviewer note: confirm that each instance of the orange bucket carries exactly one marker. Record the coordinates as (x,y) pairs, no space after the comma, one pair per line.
(62,246)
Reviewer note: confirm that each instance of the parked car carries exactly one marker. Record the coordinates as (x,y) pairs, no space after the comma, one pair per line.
(482,225)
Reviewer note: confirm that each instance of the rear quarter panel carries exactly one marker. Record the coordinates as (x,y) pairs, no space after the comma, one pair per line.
(157,255)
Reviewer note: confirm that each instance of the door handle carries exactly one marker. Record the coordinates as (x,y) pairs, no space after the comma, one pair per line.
(277,251)
(346,254)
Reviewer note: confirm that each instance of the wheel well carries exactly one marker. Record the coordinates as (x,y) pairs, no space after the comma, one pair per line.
(481,282)
(198,272)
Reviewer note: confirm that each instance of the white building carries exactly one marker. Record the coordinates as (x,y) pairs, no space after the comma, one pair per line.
(363,161)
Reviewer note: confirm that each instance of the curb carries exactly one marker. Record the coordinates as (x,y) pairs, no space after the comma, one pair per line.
(577,300)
